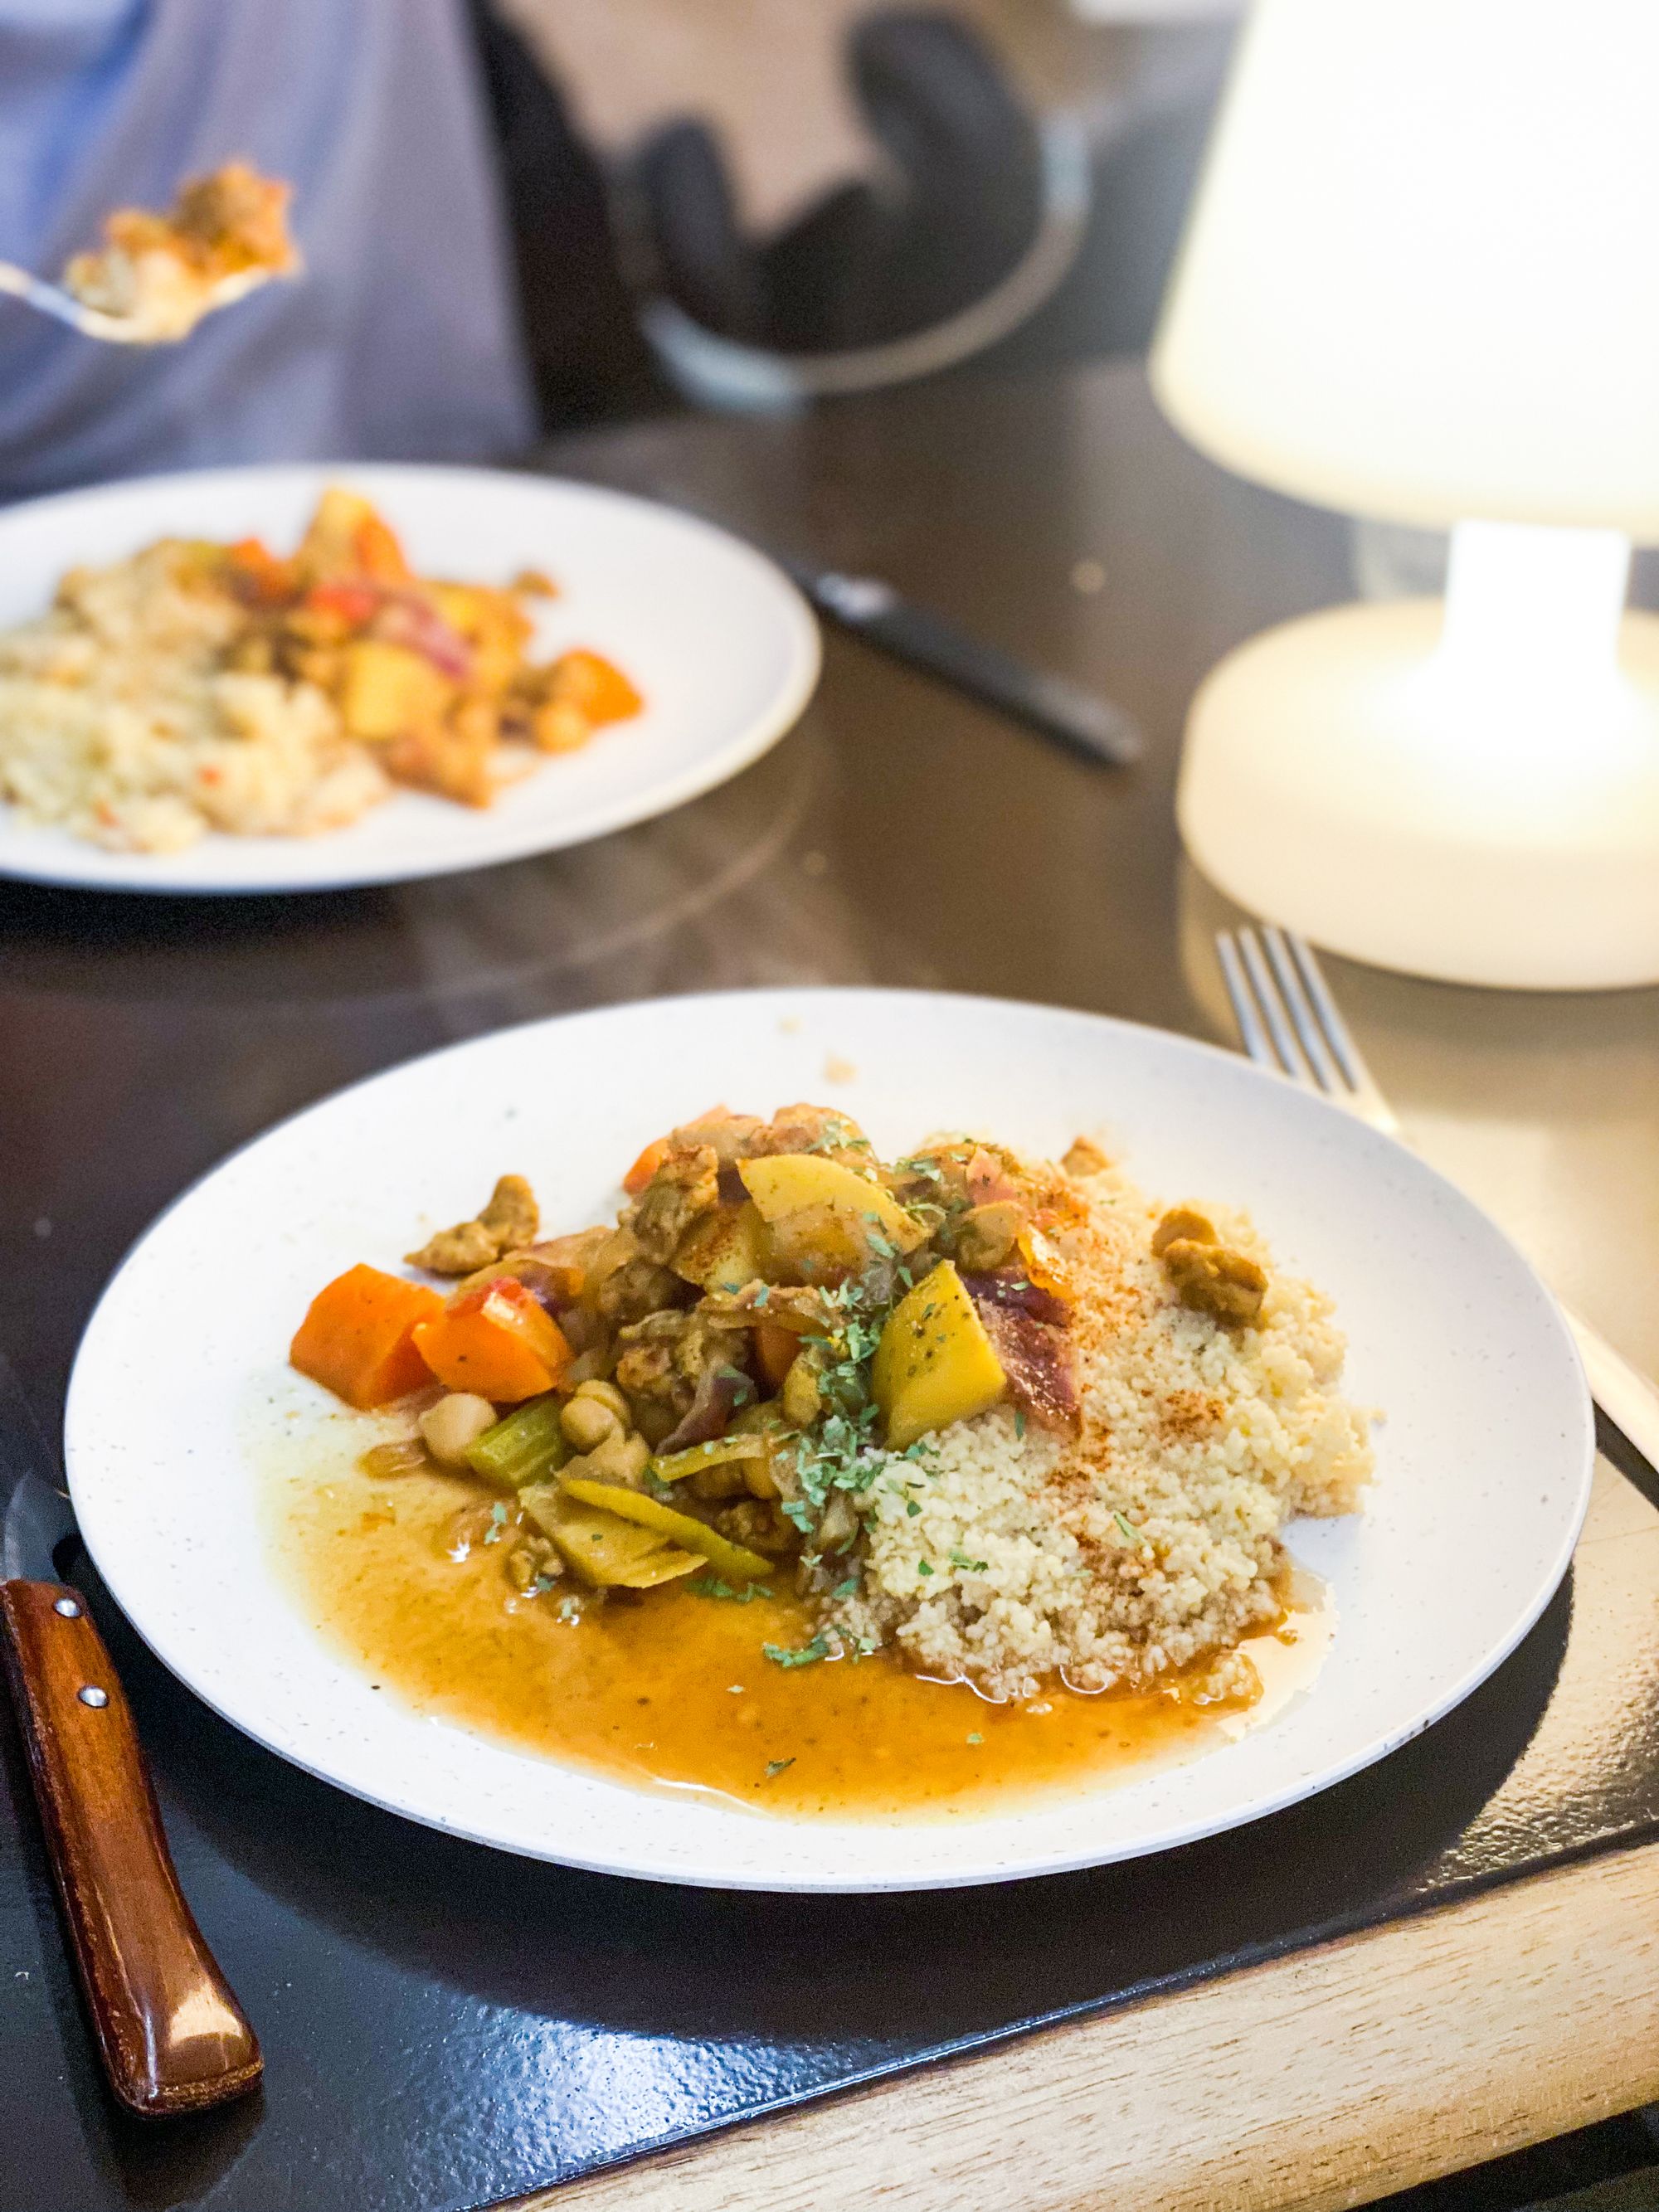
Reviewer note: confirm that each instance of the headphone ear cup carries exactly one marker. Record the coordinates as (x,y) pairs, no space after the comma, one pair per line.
(823,274)
(703,261)
(971,156)
(937,100)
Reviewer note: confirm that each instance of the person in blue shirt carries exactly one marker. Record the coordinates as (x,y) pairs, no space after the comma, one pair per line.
(402,338)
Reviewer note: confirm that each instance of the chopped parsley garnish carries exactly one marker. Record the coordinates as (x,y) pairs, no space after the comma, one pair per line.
(924,1566)
(781,1656)
(975,1737)
(912,1508)
(777,1766)
(969,1566)
(1134,1535)
(848,1588)
(497,1522)
(711,1586)
(1019,1421)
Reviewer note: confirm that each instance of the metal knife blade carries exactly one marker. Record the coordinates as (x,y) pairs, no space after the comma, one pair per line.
(37,1522)
(1069,714)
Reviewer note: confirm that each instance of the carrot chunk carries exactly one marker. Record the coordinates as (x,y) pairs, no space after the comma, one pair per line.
(497,1341)
(595,687)
(356,1340)
(378,554)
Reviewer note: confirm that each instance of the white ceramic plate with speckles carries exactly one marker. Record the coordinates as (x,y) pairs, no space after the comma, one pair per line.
(1484,1459)
(722,645)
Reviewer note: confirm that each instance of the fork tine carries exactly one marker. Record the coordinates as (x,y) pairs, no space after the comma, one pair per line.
(1337,1033)
(1331,1078)
(1258,1045)
(1291,1058)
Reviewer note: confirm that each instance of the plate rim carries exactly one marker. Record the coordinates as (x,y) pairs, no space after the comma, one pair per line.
(62,866)
(972,1875)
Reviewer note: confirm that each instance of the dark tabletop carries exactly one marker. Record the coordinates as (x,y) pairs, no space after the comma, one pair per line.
(444,2026)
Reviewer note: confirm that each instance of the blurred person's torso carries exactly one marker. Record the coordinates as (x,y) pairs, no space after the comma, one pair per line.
(400,340)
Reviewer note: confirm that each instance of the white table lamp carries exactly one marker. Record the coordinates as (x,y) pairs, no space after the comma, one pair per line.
(1420,282)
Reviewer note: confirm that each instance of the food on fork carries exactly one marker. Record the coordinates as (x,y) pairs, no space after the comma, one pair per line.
(226,234)
(198,686)
(990,1419)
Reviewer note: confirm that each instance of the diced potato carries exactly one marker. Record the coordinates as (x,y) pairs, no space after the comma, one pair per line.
(387,689)
(330,536)
(733,1561)
(726,1250)
(825,1219)
(454,758)
(935,1363)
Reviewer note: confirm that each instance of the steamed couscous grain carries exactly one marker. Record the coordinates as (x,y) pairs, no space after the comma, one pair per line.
(119,721)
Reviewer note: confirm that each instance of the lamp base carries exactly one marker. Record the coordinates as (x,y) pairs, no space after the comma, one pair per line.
(1347,778)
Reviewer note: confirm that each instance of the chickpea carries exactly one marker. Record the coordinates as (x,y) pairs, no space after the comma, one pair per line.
(454,1422)
(1213,1278)
(586,1422)
(607,1394)
(1181,1225)
(614,1458)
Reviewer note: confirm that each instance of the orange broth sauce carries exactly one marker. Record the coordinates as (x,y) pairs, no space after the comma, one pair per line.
(671,1690)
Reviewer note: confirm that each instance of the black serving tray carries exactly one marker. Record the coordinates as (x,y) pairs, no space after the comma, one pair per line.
(445,2027)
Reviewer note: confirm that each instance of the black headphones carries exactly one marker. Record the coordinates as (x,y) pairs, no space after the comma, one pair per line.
(875,258)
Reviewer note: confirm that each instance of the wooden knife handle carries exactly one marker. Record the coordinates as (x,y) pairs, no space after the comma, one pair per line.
(172,2037)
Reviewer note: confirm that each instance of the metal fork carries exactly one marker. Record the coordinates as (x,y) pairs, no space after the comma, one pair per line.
(1288,1022)
(114,330)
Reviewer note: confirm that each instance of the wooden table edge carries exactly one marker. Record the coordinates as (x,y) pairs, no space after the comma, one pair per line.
(1323,2079)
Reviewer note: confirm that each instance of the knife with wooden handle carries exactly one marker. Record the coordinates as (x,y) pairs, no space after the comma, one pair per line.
(171,2036)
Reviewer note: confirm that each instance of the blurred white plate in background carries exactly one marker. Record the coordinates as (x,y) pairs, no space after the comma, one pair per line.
(722,645)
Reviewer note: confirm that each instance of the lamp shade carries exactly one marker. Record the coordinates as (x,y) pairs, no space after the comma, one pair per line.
(1420,279)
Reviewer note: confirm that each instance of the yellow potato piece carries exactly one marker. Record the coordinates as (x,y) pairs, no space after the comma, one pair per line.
(824,1218)
(726,1250)
(935,1363)
(734,1561)
(387,689)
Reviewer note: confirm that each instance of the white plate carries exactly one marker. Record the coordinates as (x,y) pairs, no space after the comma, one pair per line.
(1483,1463)
(720,643)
